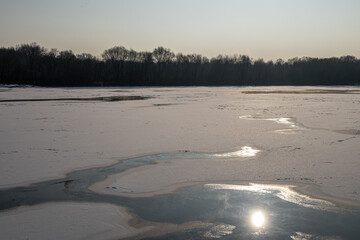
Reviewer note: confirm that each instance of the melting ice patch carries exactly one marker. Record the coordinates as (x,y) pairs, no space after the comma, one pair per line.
(285,193)
(245,151)
(286,121)
(282,120)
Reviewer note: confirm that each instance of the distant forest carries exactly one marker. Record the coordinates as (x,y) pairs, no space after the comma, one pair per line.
(31,64)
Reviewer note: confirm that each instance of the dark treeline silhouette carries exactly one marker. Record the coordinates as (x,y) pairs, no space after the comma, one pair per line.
(32,64)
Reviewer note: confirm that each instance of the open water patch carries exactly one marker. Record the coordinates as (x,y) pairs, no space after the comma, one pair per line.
(74,187)
(238,212)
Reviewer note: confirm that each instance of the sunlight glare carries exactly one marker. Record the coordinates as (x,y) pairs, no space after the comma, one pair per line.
(258,219)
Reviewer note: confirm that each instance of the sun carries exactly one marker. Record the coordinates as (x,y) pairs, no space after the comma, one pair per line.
(258,219)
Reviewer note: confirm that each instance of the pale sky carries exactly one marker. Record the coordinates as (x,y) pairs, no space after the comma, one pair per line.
(268,29)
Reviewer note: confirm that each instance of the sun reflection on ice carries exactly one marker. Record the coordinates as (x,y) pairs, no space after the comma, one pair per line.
(284,192)
(293,126)
(245,151)
(258,219)
(282,120)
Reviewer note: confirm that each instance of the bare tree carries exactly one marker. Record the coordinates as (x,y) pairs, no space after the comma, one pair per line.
(163,55)
(53,53)
(145,57)
(118,53)
(67,55)
(85,56)
(31,50)
(181,58)
(132,56)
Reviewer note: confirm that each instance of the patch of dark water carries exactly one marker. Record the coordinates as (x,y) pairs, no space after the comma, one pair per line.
(165,104)
(104,99)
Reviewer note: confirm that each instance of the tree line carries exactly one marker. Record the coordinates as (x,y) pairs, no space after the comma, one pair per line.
(32,64)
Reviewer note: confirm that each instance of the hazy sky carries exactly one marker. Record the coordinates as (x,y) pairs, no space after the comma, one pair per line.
(268,29)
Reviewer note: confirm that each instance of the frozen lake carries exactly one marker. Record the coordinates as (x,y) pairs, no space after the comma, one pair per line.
(304,139)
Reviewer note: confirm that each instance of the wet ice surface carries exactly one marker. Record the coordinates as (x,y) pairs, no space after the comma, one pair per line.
(234,211)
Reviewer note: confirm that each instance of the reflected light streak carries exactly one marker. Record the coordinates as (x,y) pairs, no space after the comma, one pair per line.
(245,151)
(285,193)
(281,120)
